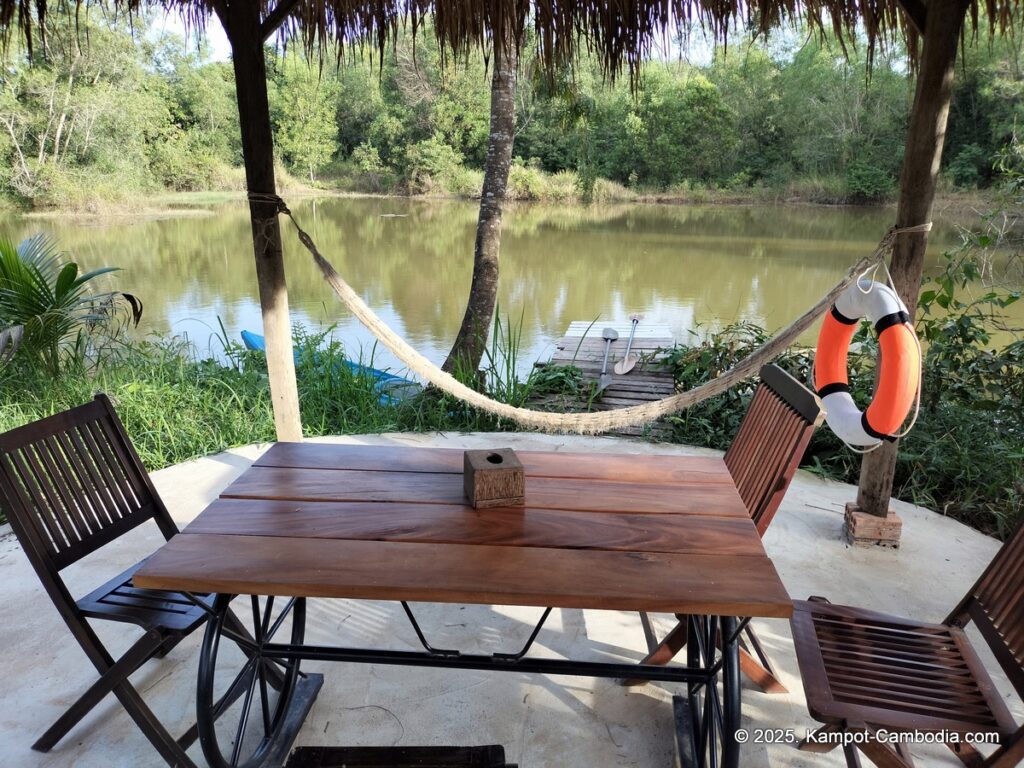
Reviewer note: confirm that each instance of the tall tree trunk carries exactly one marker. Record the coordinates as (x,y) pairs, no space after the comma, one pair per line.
(469,346)
(64,113)
(8,123)
(922,155)
(241,21)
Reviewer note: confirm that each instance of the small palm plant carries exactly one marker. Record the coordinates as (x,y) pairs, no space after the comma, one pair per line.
(46,309)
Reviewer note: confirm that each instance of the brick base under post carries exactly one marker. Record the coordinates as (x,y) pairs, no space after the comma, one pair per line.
(865,530)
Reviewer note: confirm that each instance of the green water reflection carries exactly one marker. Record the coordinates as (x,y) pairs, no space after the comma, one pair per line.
(689,267)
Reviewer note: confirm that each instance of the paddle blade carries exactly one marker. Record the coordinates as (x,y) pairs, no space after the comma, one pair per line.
(625,365)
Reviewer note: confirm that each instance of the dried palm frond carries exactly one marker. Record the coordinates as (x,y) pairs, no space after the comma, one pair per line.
(620,32)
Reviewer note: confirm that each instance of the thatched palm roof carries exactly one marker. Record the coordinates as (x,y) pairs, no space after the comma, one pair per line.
(620,32)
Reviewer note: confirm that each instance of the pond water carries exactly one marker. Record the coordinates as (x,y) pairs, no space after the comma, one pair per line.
(692,267)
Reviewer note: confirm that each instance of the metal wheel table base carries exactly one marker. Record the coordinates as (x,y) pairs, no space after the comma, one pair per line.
(251,706)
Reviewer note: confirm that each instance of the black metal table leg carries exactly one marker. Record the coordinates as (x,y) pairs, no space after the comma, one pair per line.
(732,710)
(250,706)
(709,715)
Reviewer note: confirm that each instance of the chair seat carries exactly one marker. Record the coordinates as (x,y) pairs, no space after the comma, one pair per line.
(118,600)
(863,667)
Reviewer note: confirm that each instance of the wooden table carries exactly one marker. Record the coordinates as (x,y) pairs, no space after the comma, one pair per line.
(614,532)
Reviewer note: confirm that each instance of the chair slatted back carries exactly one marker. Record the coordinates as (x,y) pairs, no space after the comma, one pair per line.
(72,482)
(772,438)
(996,605)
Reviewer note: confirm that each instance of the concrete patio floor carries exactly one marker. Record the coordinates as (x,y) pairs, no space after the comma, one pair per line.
(541,721)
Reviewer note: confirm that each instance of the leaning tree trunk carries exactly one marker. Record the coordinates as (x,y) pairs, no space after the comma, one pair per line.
(941,30)
(469,346)
(241,21)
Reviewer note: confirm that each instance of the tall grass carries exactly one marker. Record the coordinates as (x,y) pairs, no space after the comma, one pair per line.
(174,406)
(178,406)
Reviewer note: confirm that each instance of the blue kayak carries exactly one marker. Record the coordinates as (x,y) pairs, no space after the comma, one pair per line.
(392,388)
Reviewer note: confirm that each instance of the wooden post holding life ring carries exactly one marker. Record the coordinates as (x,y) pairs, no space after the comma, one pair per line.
(899,376)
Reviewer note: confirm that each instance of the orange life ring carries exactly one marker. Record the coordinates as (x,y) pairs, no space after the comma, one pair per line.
(899,377)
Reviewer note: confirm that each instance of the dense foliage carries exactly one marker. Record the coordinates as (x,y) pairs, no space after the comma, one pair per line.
(108,113)
(965,455)
(45,297)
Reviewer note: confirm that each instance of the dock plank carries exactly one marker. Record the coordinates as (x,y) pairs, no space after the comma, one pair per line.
(583,347)
(594,328)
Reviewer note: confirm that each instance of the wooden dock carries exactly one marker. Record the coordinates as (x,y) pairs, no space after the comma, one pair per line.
(583,347)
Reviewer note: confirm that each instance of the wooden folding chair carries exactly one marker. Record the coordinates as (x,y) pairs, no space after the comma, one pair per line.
(865,671)
(70,484)
(762,460)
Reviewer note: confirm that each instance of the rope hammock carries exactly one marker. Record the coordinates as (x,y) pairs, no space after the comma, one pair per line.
(582,423)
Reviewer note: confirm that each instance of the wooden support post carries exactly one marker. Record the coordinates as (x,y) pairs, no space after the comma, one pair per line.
(241,21)
(925,135)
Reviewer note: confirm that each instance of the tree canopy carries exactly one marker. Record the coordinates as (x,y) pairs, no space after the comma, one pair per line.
(128,112)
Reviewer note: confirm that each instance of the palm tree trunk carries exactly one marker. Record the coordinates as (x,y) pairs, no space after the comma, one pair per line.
(469,346)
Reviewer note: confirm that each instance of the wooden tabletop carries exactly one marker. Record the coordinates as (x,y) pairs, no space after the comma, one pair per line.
(619,532)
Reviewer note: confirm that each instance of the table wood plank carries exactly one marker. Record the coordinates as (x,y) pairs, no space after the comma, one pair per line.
(261,482)
(453,524)
(633,468)
(456,573)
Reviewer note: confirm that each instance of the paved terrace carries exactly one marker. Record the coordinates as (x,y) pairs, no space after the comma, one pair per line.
(541,722)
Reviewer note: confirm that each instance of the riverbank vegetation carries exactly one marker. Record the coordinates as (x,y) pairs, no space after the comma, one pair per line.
(963,457)
(109,115)
(965,453)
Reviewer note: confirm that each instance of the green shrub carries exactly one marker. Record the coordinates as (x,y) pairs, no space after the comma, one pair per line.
(466,182)
(183,163)
(561,187)
(969,166)
(362,171)
(227,178)
(433,167)
(607,191)
(964,455)
(739,180)
(866,183)
(526,182)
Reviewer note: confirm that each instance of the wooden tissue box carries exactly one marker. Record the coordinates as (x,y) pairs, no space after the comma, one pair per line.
(494,479)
